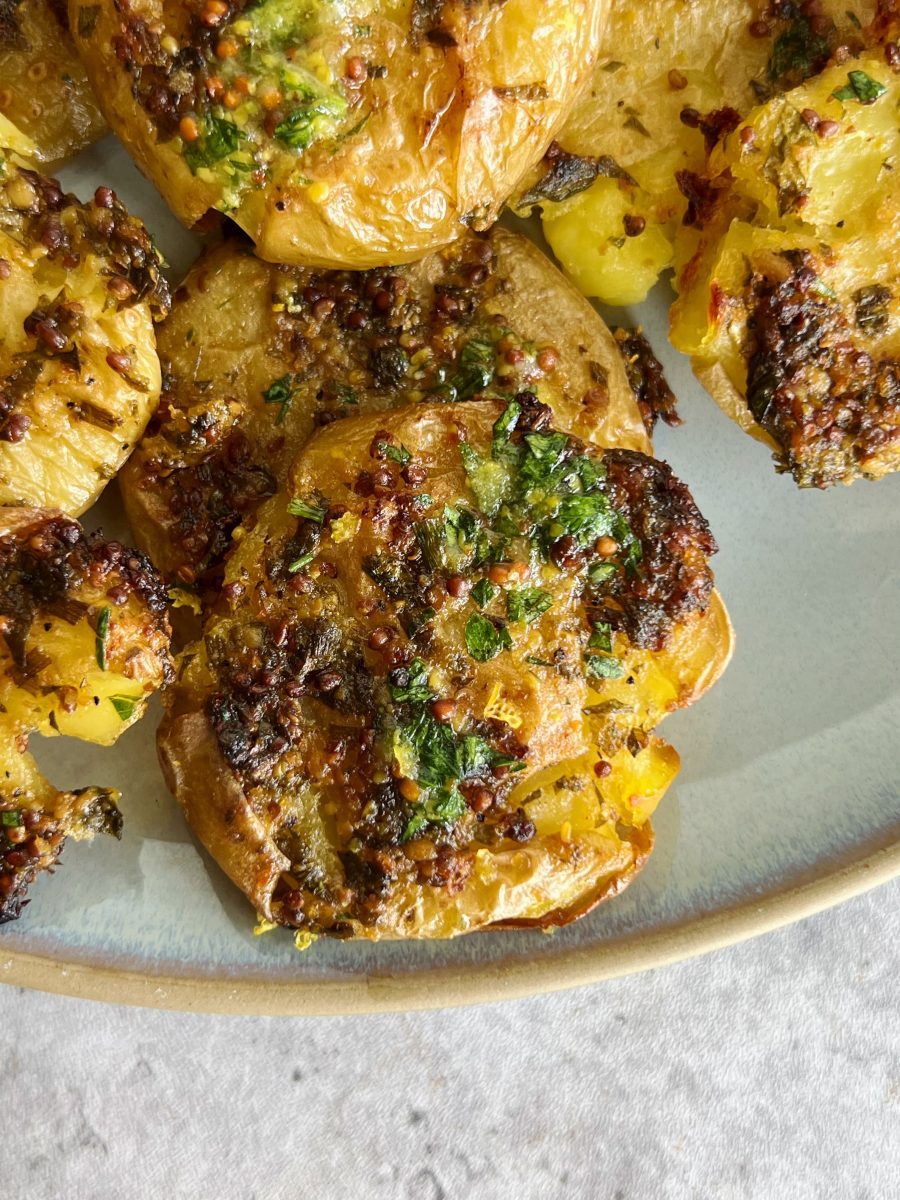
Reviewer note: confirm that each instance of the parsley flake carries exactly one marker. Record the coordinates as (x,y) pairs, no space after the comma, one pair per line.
(311,512)
(102,638)
(861,87)
(484,639)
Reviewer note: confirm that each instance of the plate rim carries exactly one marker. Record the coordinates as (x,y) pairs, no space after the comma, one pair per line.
(455,986)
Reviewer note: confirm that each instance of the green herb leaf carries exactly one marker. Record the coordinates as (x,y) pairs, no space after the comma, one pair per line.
(219,137)
(603,666)
(538,662)
(280,392)
(599,572)
(601,638)
(124,706)
(397,454)
(299,563)
(102,637)
(861,87)
(503,429)
(444,809)
(415,689)
(311,512)
(483,592)
(484,639)
(11,818)
(527,604)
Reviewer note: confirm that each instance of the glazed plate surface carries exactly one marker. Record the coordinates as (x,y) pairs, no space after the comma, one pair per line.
(788,799)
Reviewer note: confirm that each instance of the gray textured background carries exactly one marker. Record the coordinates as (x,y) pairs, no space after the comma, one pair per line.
(766,1071)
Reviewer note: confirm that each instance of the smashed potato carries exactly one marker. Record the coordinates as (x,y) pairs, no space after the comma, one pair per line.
(353,135)
(84,642)
(80,287)
(256,357)
(425,702)
(43,86)
(672,74)
(789,290)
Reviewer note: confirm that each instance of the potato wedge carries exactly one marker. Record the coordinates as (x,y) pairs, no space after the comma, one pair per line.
(43,85)
(671,74)
(789,290)
(84,642)
(424,704)
(80,286)
(257,357)
(354,135)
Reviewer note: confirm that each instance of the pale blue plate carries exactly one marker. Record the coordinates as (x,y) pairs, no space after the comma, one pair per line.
(789,797)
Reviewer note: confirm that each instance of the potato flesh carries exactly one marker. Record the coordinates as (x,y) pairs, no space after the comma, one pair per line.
(659,58)
(845,222)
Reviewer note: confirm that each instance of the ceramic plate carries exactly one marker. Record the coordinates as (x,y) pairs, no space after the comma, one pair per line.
(788,800)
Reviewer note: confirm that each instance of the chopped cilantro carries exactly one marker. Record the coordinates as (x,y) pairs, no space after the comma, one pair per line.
(102,637)
(484,639)
(312,512)
(798,51)
(599,572)
(503,428)
(476,369)
(409,685)
(397,454)
(124,706)
(527,604)
(280,392)
(601,638)
(219,137)
(604,666)
(483,592)
(11,818)
(861,87)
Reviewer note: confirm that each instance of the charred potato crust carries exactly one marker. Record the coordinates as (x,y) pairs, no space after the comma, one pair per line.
(84,641)
(256,357)
(425,702)
(80,286)
(338,138)
(43,86)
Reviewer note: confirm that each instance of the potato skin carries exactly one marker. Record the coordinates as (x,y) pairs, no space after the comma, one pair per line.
(315,732)
(43,86)
(436,111)
(217,447)
(79,373)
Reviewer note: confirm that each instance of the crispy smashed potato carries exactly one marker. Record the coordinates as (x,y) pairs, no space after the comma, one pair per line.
(353,135)
(80,286)
(789,287)
(672,75)
(43,85)
(256,357)
(84,642)
(425,702)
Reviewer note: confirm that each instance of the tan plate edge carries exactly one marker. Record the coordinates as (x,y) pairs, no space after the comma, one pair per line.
(447,987)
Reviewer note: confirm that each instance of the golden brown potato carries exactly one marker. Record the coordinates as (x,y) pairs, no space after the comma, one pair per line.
(80,286)
(84,642)
(789,299)
(43,86)
(425,702)
(672,74)
(353,135)
(257,356)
